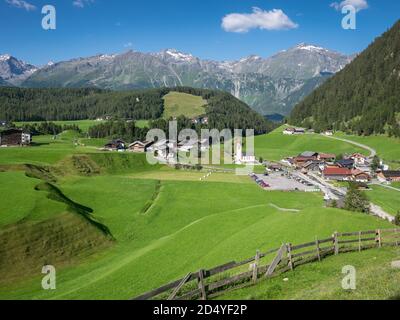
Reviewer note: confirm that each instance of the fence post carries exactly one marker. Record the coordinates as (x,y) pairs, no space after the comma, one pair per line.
(336,243)
(289,255)
(397,239)
(318,249)
(255,267)
(379,238)
(359,241)
(201,285)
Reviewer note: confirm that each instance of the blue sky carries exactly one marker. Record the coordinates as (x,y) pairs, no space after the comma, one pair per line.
(89,27)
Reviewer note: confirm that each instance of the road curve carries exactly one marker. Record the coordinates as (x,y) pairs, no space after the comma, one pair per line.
(372,151)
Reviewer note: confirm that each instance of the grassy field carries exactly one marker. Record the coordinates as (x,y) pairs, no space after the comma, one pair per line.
(239,221)
(164,223)
(177,104)
(388,199)
(322,280)
(276,146)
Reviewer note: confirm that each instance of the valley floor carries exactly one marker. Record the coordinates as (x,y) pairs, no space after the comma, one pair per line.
(146,226)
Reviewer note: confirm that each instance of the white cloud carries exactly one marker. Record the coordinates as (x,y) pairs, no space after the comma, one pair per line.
(128,45)
(275,19)
(81,3)
(357,4)
(21,4)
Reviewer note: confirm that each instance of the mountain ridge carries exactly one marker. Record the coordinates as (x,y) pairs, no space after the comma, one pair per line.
(269,85)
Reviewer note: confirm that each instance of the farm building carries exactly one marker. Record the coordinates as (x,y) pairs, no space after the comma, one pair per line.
(338,174)
(15,137)
(139,146)
(115,145)
(389,176)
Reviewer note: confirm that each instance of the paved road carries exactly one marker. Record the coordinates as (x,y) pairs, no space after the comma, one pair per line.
(386,186)
(372,151)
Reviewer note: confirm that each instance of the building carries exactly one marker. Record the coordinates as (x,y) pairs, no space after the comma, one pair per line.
(15,137)
(115,145)
(359,159)
(328,133)
(346,163)
(294,131)
(389,176)
(328,157)
(165,149)
(304,158)
(314,165)
(188,145)
(337,174)
(360,176)
(139,146)
(200,120)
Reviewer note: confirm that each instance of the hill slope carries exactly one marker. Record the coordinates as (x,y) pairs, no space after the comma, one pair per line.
(364,97)
(223,110)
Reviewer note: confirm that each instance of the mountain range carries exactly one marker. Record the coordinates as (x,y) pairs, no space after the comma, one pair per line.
(269,85)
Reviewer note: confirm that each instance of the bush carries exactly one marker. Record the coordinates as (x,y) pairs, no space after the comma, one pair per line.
(356,200)
(397,219)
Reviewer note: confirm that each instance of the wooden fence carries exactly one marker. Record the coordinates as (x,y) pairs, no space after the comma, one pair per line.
(207,284)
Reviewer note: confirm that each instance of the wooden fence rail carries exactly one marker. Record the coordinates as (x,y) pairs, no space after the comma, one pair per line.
(206,284)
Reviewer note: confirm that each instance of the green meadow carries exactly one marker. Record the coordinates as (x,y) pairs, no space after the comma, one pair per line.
(386,147)
(276,146)
(177,104)
(115,226)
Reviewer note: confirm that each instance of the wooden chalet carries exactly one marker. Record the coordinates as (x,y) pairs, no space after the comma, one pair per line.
(139,146)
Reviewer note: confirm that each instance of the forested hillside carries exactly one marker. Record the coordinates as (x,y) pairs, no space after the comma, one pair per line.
(364,98)
(223,110)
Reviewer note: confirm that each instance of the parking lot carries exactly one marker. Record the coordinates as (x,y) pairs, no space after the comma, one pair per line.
(285,182)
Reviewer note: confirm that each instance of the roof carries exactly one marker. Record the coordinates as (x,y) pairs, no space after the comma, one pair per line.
(358,172)
(327,156)
(143,144)
(358,155)
(333,171)
(346,162)
(11,131)
(309,154)
(391,174)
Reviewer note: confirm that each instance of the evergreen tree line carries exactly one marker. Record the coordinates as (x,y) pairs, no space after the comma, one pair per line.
(364,98)
(223,110)
(48,128)
(118,130)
